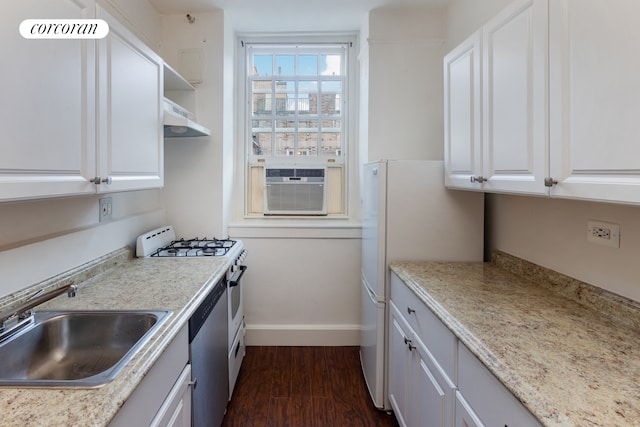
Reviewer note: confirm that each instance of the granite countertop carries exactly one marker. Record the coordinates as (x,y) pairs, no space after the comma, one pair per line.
(568,351)
(115,281)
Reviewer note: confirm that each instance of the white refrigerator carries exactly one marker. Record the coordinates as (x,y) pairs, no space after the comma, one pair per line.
(407,214)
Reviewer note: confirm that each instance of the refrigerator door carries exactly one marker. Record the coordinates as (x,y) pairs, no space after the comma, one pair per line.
(374,199)
(372,344)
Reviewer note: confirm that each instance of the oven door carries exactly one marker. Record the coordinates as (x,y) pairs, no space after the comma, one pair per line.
(236,326)
(236,309)
(236,354)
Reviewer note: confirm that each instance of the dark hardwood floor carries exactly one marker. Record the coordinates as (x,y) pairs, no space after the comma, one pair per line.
(303,387)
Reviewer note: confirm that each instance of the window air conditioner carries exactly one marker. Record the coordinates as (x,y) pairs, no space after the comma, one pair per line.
(299,191)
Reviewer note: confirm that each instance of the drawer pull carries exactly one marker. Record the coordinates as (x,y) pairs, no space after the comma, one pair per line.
(410,310)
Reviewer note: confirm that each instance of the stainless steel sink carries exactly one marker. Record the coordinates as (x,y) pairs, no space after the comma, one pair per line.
(75,348)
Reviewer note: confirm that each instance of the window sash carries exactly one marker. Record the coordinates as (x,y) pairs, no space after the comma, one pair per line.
(307,101)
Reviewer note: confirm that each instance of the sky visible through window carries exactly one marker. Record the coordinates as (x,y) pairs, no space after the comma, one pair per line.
(307,65)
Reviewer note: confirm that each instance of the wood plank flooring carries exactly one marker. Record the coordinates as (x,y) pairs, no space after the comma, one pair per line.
(303,387)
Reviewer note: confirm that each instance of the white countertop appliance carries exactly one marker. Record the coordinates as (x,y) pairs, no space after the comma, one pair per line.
(216,331)
(407,214)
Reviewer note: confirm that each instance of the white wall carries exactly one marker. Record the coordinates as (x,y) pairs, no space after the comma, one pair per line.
(302,291)
(46,256)
(195,168)
(552,233)
(405,95)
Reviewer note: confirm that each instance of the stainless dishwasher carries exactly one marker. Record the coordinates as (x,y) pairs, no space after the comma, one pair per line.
(208,350)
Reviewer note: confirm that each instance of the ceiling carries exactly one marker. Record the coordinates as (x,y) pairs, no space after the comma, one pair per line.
(290,15)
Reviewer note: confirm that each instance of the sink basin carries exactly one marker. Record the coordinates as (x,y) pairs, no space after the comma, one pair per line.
(75,348)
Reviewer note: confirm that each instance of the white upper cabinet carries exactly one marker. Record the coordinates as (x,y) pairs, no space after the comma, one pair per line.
(496,104)
(131,136)
(462,114)
(560,102)
(595,99)
(76,110)
(515,113)
(47,108)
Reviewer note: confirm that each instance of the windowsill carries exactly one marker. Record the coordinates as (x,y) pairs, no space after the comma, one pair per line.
(296,228)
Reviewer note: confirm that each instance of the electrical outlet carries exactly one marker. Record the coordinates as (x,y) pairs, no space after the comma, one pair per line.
(603,233)
(106,208)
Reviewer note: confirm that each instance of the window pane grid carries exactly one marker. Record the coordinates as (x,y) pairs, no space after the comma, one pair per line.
(301,94)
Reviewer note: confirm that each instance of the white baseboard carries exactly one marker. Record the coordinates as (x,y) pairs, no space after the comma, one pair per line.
(302,335)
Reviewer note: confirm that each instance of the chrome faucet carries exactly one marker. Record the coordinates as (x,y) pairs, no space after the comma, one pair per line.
(14,319)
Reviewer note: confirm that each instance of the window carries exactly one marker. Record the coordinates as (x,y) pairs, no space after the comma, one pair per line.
(296,121)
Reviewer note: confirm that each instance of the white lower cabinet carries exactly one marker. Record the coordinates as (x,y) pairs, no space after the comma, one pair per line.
(420,392)
(486,401)
(176,409)
(424,356)
(163,398)
(465,417)
(399,365)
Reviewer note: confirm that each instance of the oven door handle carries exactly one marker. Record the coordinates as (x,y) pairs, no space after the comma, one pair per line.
(235,280)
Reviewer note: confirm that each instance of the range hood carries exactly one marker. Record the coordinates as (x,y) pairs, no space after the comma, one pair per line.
(179,122)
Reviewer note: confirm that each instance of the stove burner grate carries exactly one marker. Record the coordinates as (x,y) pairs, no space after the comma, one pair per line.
(195,247)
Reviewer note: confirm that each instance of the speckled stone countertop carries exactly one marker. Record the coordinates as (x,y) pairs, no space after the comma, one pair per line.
(115,281)
(568,351)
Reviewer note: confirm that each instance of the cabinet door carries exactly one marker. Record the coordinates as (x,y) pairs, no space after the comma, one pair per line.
(433,392)
(464,415)
(595,99)
(462,118)
(490,399)
(176,409)
(399,363)
(515,108)
(47,105)
(130,138)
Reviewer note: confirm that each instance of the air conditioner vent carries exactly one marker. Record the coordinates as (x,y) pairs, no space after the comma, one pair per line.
(299,191)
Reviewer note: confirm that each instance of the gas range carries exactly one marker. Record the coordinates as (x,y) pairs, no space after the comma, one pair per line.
(162,243)
(208,349)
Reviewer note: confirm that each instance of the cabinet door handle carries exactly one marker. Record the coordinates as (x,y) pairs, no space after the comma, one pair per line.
(97,180)
(409,343)
(478,179)
(194,383)
(410,310)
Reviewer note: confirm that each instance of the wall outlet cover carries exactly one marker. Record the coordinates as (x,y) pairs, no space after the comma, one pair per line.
(603,233)
(106,209)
